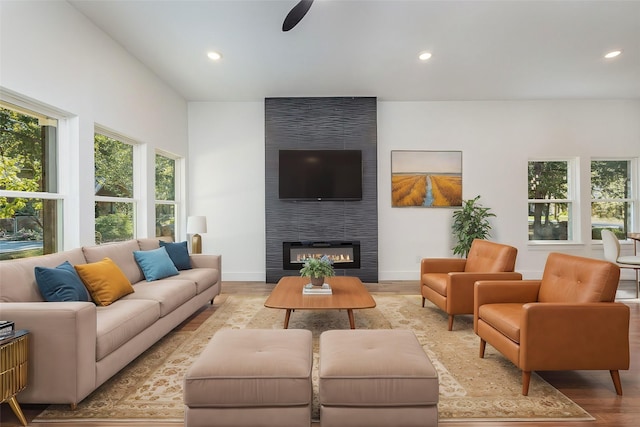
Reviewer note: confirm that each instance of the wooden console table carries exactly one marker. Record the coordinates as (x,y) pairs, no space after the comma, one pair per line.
(14,354)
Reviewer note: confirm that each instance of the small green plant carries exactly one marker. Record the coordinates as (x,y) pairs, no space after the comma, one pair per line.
(317,267)
(471,222)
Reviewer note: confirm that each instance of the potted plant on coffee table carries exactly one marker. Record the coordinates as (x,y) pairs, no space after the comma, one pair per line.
(316,269)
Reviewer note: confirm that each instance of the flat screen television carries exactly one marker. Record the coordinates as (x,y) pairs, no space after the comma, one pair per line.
(320,174)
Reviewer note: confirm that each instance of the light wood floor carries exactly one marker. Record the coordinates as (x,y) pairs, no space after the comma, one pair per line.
(593,390)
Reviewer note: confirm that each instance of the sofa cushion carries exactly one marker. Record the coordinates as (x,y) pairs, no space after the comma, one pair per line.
(121,253)
(104,280)
(179,254)
(118,323)
(21,272)
(155,264)
(203,277)
(170,293)
(61,283)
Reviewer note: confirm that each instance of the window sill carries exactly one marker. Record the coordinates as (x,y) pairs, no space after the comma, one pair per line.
(544,245)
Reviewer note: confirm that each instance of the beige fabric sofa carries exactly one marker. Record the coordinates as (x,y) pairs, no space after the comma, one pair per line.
(76,346)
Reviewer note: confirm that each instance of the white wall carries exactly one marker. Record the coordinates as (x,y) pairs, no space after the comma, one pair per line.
(496,139)
(226,172)
(53,55)
(226,142)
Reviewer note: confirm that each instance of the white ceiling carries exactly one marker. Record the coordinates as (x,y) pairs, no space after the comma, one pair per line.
(482,50)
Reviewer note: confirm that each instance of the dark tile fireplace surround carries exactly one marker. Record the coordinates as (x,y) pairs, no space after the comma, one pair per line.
(312,228)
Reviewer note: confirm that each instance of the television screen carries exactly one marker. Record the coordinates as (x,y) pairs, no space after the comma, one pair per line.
(320,174)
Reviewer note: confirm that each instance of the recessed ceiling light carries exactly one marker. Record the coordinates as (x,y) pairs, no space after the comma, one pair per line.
(613,54)
(424,56)
(214,55)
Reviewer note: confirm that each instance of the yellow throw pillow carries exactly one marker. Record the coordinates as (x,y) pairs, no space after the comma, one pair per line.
(104,280)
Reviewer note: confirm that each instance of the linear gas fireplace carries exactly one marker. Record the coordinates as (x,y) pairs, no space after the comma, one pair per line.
(344,254)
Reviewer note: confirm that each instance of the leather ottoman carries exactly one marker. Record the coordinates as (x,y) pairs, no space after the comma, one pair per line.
(251,377)
(376,378)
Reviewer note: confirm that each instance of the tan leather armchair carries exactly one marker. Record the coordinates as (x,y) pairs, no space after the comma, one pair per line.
(448,282)
(567,320)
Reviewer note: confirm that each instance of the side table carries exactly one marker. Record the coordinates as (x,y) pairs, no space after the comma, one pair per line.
(14,354)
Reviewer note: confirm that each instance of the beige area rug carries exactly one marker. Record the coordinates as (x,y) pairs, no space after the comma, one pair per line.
(150,388)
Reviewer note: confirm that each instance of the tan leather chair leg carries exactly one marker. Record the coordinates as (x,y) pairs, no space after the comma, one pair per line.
(615,376)
(451,322)
(526,379)
(483,345)
(423,301)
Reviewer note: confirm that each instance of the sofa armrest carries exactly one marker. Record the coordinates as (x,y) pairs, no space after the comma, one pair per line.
(207,261)
(62,349)
(558,336)
(441,265)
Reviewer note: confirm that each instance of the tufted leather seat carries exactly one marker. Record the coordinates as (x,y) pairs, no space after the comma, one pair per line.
(566,320)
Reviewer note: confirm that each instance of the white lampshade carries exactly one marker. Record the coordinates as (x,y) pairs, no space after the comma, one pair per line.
(196,224)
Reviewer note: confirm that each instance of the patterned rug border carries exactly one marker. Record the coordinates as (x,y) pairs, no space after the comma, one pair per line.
(394,311)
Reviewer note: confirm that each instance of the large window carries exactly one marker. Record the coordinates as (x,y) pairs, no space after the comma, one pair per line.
(611,197)
(114,182)
(166,205)
(550,200)
(30,206)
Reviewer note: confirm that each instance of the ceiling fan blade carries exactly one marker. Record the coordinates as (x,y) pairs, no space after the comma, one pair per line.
(296,14)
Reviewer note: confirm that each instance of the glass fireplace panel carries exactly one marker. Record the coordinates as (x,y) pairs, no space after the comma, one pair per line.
(337,255)
(344,254)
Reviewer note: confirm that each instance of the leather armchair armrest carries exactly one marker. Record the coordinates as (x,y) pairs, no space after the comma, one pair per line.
(441,265)
(558,336)
(505,291)
(460,288)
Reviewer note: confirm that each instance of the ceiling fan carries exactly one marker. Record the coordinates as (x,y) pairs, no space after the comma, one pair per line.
(296,14)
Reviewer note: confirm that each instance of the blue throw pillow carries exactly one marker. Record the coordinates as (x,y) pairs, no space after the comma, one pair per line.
(155,264)
(61,284)
(178,253)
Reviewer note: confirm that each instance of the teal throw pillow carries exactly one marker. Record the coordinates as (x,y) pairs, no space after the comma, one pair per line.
(61,283)
(155,264)
(178,253)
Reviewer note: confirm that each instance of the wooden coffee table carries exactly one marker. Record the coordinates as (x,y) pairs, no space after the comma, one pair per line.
(348,294)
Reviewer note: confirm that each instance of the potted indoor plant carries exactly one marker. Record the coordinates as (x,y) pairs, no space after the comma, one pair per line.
(471,222)
(316,269)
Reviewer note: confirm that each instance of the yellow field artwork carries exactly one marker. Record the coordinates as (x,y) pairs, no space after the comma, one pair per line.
(408,190)
(426,178)
(447,190)
(426,190)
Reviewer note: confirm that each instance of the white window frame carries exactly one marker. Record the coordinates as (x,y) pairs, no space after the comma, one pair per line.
(137,179)
(634,191)
(177,201)
(572,202)
(34,108)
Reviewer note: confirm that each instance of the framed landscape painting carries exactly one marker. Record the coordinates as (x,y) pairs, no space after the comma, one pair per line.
(426,178)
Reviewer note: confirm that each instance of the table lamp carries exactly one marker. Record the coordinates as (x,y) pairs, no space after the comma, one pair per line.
(195,225)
